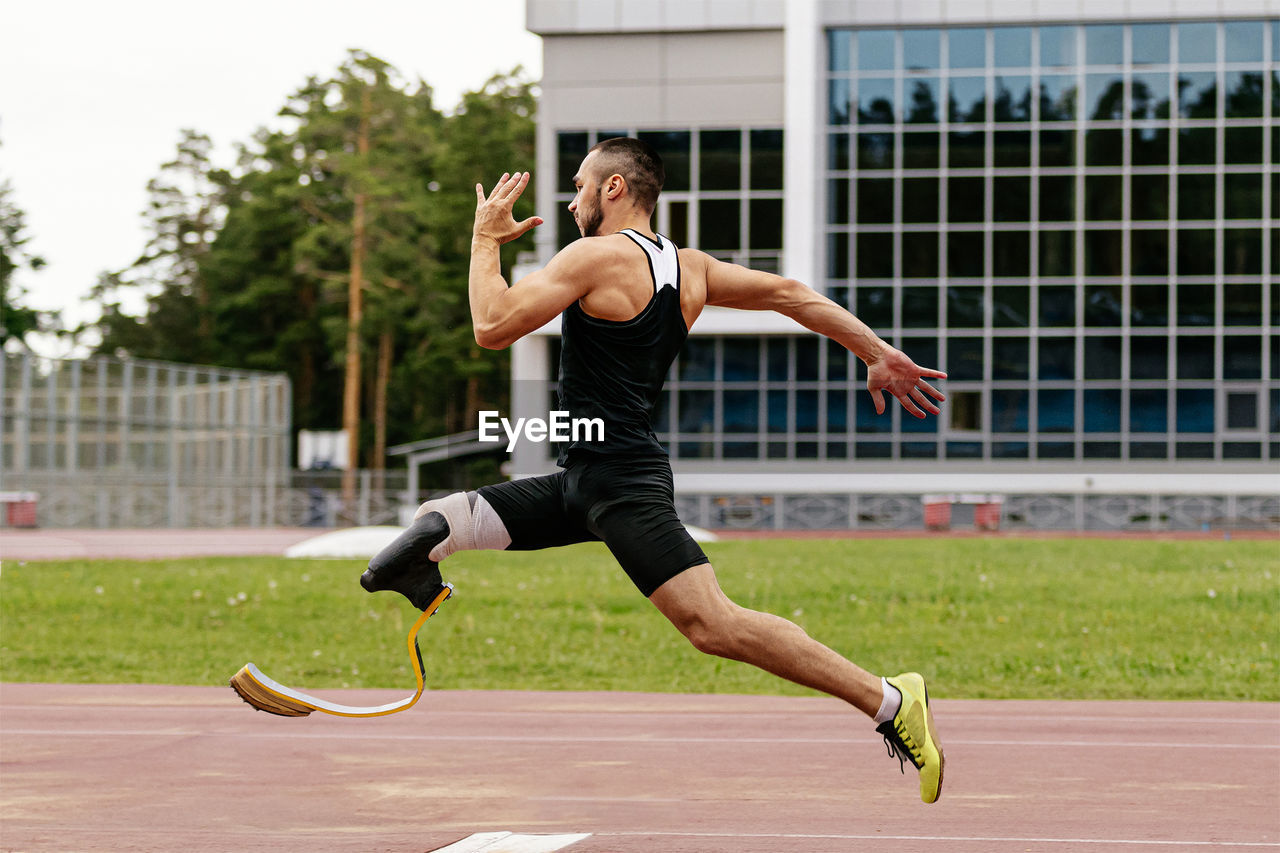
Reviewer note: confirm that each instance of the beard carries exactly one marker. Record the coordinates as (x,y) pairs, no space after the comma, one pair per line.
(589,220)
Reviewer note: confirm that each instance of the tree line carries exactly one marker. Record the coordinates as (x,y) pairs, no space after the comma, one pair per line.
(334,249)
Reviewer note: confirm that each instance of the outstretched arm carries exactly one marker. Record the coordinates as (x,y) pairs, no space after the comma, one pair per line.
(501,315)
(888,369)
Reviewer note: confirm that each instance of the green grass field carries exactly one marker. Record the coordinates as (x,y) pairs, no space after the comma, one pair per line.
(983,618)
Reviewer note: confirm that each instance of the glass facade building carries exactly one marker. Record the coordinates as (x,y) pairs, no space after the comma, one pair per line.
(1076,220)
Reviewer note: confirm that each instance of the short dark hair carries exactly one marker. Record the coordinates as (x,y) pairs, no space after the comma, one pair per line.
(638,163)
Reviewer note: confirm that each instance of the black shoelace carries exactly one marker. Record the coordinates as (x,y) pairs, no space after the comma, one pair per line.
(896,746)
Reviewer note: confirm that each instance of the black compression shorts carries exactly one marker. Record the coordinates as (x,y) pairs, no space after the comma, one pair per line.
(626,502)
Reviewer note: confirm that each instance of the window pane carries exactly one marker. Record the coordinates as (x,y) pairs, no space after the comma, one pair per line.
(1057,305)
(838,255)
(1195,251)
(921,49)
(1149,305)
(720,159)
(1102,305)
(1150,44)
(1058,46)
(571,148)
(1195,357)
(1104,44)
(875,256)
(741,360)
(1057,148)
(838,201)
(967,48)
(875,200)
(837,411)
(1242,410)
(1194,409)
(1013,99)
(766,159)
(1012,148)
(1242,251)
(875,100)
(1242,145)
(1244,41)
(776,402)
(839,101)
(1011,254)
(1103,253)
(1010,410)
(1057,98)
(1242,196)
(920,254)
(1149,252)
(965,254)
(1057,253)
(964,358)
(839,50)
(837,154)
(1010,358)
(718,225)
(1242,357)
(1012,199)
(1197,43)
(1104,147)
(1149,199)
(1244,95)
(1057,410)
(920,307)
(920,150)
(922,96)
(1148,410)
(968,99)
(1148,358)
(1102,357)
(1011,306)
(1197,94)
(1012,47)
(1242,305)
(875,50)
(1103,97)
(766,223)
(1057,358)
(966,149)
(1196,197)
(741,411)
(875,306)
(1150,146)
(964,307)
(875,150)
(779,365)
(966,199)
(1101,410)
(674,146)
(1103,198)
(1196,146)
(1150,97)
(920,200)
(1058,198)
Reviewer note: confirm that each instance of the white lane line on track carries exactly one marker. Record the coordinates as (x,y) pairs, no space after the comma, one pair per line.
(630,739)
(838,716)
(951,838)
(508,842)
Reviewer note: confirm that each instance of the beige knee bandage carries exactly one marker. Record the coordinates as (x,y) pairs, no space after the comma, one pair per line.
(470,529)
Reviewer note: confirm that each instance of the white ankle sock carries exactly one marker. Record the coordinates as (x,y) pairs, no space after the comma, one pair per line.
(891,703)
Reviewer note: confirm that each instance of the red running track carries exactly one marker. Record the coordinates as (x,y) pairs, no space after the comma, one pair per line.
(90,767)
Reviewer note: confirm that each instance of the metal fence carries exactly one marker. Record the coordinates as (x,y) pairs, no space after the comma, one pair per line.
(131,443)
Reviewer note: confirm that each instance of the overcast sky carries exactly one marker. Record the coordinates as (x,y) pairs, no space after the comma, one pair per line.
(93,96)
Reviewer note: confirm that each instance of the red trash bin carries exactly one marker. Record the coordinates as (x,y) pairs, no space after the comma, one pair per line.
(20,509)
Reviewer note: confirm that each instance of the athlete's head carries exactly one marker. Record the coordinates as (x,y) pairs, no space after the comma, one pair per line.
(618,170)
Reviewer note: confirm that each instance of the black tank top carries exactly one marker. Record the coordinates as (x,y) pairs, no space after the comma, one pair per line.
(614,370)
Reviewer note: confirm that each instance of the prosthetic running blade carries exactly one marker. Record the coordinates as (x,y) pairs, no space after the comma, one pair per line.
(269,695)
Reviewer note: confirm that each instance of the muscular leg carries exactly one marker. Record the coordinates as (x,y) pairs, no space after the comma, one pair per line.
(700,610)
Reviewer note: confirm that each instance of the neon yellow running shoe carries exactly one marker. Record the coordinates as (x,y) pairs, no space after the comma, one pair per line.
(910,735)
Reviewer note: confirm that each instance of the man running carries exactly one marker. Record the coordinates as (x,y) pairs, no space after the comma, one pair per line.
(627,298)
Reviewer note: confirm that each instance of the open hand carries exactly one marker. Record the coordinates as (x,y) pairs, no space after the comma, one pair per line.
(904,379)
(493,214)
